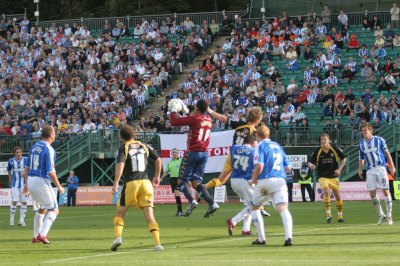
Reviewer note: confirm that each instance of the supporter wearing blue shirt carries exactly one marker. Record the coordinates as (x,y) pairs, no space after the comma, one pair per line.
(72,182)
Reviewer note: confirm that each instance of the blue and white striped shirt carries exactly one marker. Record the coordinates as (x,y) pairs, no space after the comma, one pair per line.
(17,168)
(373,152)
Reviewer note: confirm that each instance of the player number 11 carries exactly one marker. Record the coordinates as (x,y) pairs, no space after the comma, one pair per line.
(203,137)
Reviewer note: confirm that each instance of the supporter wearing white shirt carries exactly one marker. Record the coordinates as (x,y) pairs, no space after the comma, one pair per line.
(158,55)
(89,126)
(286,117)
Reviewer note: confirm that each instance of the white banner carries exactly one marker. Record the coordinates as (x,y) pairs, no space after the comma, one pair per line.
(296,160)
(218,149)
(3,168)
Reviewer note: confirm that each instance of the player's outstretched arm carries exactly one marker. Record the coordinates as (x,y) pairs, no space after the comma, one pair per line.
(217,116)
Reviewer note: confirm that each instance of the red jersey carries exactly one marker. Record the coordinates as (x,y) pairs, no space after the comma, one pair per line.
(199,130)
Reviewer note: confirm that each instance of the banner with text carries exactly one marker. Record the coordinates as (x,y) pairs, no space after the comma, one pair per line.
(296,160)
(3,168)
(348,191)
(219,147)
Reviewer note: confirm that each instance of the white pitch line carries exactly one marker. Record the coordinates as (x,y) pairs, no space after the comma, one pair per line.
(201,244)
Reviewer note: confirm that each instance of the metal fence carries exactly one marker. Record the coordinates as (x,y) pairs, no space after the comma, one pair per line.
(131,21)
(354,18)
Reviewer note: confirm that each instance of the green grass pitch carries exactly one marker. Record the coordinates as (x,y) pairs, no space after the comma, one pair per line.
(83,235)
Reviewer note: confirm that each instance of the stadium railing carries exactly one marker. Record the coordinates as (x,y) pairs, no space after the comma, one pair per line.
(354,18)
(131,21)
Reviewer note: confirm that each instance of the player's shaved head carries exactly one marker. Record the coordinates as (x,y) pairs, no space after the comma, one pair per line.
(46,132)
(263,132)
(127,133)
(253,115)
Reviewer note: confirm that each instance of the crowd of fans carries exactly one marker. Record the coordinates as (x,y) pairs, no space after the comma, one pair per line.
(244,72)
(78,81)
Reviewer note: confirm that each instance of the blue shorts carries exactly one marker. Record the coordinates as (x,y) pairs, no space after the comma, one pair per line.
(192,166)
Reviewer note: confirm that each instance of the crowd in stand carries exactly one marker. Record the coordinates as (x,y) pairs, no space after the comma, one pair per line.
(79,81)
(243,72)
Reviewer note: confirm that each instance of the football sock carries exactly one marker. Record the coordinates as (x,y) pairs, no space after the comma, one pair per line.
(377,205)
(388,203)
(154,230)
(240,216)
(13,209)
(23,212)
(287,223)
(186,191)
(262,208)
(247,220)
(37,223)
(213,183)
(118,226)
(204,194)
(327,204)
(48,222)
(178,203)
(339,206)
(259,224)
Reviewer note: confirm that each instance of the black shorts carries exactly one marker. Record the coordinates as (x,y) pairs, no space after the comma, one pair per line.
(173,181)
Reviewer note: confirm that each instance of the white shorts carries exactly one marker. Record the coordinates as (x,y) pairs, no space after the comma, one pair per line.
(243,189)
(17,195)
(377,178)
(42,193)
(274,189)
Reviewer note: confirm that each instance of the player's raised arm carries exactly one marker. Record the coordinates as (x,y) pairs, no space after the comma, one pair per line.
(218,116)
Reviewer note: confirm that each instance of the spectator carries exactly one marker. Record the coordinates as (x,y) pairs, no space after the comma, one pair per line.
(394,16)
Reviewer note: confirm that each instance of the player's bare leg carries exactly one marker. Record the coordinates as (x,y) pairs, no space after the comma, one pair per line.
(339,205)
(377,204)
(327,204)
(118,222)
(153,227)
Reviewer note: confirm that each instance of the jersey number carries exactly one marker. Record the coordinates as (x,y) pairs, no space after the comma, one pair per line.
(34,162)
(277,161)
(138,162)
(242,161)
(203,136)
